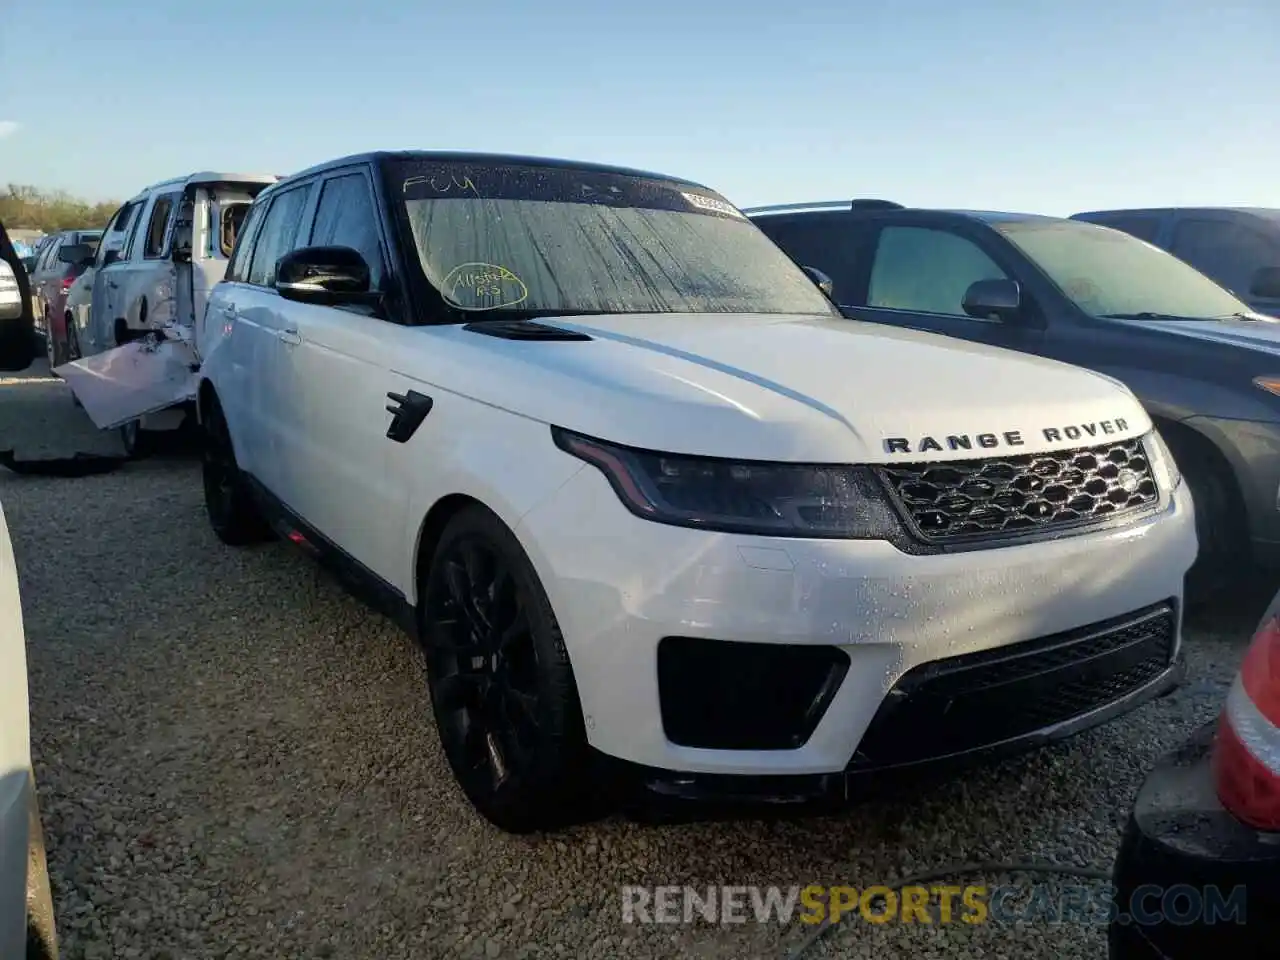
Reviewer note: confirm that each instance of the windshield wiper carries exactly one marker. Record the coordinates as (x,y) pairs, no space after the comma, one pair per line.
(1146,315)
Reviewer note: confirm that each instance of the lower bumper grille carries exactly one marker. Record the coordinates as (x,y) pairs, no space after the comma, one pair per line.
(960,704)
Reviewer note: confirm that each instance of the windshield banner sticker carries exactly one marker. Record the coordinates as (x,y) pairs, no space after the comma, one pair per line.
(711,203)
(482,286)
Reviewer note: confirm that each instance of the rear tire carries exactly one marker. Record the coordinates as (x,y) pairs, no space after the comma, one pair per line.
(54,350)
(502,688)
(234,516)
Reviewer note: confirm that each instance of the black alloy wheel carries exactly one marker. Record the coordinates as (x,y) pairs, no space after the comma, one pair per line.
(232,513)
(502,689)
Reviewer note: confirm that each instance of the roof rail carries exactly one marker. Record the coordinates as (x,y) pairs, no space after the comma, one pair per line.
(825,205)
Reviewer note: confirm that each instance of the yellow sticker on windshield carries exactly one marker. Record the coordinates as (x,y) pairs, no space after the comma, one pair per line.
(482,286)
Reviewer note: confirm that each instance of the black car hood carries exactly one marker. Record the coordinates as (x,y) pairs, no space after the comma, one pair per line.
(1262,334)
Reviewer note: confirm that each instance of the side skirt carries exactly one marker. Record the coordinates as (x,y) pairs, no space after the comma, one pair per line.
(357,579)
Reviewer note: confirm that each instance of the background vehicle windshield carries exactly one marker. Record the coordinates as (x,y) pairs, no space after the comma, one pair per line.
(1108,273)
(510,237)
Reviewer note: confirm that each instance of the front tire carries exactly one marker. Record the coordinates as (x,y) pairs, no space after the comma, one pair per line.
(1220,524)
(232,513)
(502,688)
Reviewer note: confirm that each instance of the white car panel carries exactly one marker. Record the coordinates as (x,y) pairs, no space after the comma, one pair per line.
(15,757)
(619,584)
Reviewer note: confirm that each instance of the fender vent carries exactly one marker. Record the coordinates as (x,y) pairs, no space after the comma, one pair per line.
(522,330)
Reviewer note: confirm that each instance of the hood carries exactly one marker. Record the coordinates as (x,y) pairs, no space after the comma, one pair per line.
(792,388)
(1262,334)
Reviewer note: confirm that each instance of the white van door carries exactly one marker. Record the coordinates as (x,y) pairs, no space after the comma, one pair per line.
(147,286)
(224,207)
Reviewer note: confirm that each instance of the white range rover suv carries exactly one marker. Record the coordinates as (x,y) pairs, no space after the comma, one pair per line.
(651,505)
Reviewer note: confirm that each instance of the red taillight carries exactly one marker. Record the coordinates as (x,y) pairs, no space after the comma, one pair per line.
(67,282)
(1246,756)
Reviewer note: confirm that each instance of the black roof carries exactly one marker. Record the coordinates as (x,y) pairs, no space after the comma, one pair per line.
(880,208)
(462,156)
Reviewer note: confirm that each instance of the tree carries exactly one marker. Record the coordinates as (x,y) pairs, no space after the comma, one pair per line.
(26,207)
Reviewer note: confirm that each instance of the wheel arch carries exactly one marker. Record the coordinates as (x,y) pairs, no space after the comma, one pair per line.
(1204,449)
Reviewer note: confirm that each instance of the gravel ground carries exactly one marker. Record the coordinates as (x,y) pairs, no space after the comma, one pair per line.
(236,760)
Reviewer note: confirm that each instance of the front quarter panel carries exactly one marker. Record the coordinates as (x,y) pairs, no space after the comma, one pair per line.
(506,461)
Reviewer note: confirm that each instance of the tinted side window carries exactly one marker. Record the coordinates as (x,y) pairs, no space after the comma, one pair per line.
(926,270)
(824,242)
(1144,228)
(158,225)
(276,238)
(1228,252)
(124,216)
(238,268)
(345,217)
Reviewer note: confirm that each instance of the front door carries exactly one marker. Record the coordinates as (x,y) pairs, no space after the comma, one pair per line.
(918,276)
(338,370)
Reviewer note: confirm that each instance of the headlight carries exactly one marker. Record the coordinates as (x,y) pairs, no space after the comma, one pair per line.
(741,496)
(1269,384)
(1163,466)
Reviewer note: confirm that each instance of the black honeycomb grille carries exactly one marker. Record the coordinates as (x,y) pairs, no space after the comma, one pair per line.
(1007,496)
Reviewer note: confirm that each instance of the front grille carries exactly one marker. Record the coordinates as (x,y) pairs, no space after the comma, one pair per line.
(965,703)
(1016,495)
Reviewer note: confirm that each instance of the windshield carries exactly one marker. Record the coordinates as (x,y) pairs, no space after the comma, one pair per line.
(553,240)
(1107,273)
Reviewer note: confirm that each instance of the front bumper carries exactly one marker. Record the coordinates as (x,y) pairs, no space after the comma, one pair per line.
(1191,881)
(625,589)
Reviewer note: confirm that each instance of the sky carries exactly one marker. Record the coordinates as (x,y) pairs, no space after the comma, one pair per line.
(1029,105)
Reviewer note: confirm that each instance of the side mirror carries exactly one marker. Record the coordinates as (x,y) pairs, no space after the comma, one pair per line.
(326,276)
(823,282)
(75,254)
(997,299)
(1266,283)
(111,257)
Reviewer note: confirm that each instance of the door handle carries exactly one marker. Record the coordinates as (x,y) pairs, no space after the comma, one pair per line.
(112,285)
(289,336)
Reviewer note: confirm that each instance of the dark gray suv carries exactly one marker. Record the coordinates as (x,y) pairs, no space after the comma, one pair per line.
(1205,365)
(1238,247)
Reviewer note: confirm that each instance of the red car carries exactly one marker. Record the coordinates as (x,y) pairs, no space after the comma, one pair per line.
(56,269)
(1198,873)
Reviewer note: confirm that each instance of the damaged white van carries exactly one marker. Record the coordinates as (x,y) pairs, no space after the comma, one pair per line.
(162,253)
(643,494)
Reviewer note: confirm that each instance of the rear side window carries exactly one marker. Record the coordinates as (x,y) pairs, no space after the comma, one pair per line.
(826,243)
(1144,228)
(345,217)
(158,225)
(238,269)
(1229,252)
(278,234)
(926,270)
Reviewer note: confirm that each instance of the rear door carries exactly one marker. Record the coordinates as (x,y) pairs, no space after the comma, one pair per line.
(255,371)
(149,284)
(100,323)
(916,274)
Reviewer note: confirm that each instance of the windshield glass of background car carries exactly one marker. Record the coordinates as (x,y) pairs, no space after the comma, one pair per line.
(558,240)
(1106,272)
